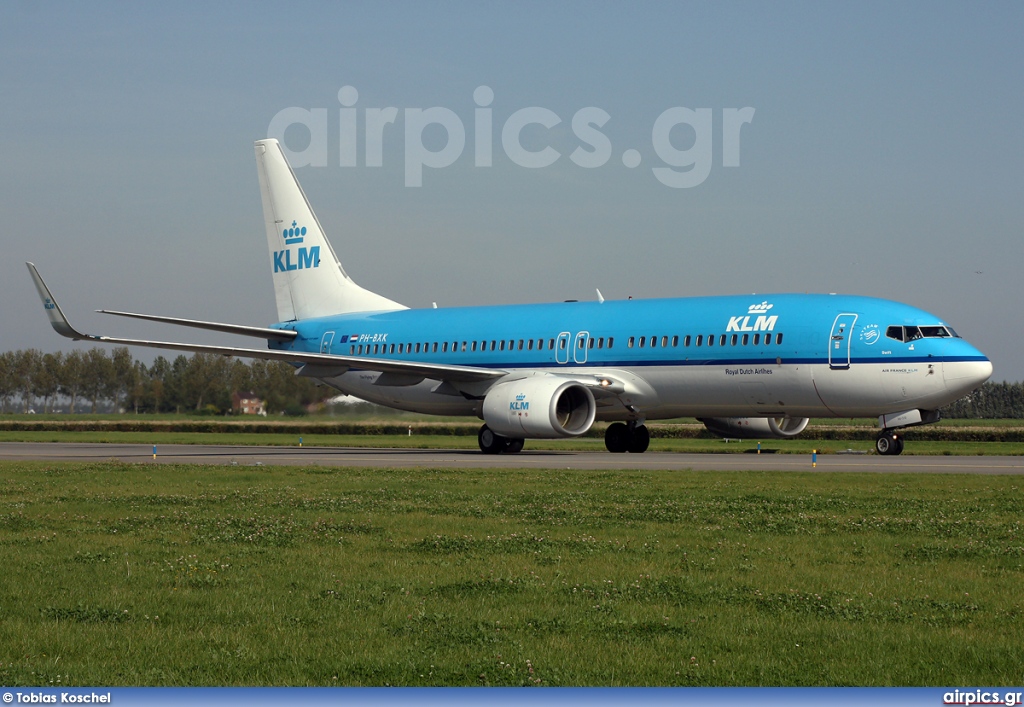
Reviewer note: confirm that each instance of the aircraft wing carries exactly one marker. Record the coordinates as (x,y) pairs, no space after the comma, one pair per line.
(258,332)
(317,363)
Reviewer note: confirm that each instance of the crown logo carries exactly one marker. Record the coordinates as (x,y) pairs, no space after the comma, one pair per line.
(293,234)
(521,396)
(759,308)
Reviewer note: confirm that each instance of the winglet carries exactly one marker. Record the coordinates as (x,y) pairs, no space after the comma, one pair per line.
(58,321)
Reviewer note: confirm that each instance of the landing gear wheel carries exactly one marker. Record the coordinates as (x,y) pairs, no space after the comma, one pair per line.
(514,446)
(889,443)
(490,443)
(640,440)
(616,438)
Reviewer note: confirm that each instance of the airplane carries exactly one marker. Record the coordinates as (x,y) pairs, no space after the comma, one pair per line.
(752,367)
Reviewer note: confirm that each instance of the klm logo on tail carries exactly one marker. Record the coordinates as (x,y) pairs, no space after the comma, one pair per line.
(293,234)
(304,257)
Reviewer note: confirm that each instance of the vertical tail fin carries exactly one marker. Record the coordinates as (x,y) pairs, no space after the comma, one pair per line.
(308,279)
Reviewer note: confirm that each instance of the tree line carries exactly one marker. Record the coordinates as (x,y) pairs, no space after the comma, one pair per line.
(93,380)
(991,401)
(90,381)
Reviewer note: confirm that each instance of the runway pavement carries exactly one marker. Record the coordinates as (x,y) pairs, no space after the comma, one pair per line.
(351,456)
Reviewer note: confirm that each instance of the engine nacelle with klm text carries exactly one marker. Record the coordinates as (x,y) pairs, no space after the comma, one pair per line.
(539,407)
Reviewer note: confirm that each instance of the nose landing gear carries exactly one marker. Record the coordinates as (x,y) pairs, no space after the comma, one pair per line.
(889,443)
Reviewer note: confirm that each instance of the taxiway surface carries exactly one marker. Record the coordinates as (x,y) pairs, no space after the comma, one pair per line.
(364,457)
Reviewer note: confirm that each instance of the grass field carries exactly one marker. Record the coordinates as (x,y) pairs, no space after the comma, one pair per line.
(183,575)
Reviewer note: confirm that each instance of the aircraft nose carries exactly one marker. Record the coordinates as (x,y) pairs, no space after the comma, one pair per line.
(964,376)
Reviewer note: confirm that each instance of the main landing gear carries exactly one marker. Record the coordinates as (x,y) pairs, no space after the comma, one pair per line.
(889,443)
(627,437)
(491,443)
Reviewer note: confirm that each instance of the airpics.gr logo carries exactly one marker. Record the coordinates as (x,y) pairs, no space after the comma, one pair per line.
(761,323)
(304,258)
(293,234)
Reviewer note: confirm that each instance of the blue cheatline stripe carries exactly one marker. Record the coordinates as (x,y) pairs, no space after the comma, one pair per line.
(624,363)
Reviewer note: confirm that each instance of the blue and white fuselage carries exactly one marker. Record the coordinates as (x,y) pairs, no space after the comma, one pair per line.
(754,366)
(806,356)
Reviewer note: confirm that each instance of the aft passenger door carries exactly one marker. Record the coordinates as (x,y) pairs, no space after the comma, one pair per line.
(840,340)
(326,341)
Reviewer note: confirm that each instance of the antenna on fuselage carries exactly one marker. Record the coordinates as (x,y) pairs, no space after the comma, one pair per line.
(600,297)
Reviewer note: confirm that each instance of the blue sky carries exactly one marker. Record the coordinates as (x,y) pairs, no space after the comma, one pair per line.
(883,158)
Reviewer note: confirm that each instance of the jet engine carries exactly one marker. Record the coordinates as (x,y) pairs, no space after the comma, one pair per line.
(543,406)
(756,427)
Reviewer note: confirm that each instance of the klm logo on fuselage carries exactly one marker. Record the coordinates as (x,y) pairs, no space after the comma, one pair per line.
(304,258)
(520,403)
(757,319)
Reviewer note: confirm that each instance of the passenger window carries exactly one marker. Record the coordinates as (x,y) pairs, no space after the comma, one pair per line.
(767,339)
(686,341)
(435,347)
(611,340)
(401,348)
(654,341)
(561,344)
(746,339)
(735,338)
(629,344)
(590,344)
(551,344)
(721,340)
(675,341)
(711,339)
(463,346)
(494,345)
(376,348)
(501,345)
(352,348)
(757,339)
(600,343)
(642,340)
(778,339)
(700,339)
(529,345)
(444,347)
(473,347)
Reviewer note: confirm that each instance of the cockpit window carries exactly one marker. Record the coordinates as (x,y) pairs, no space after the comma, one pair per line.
(913,333)
(934,332)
